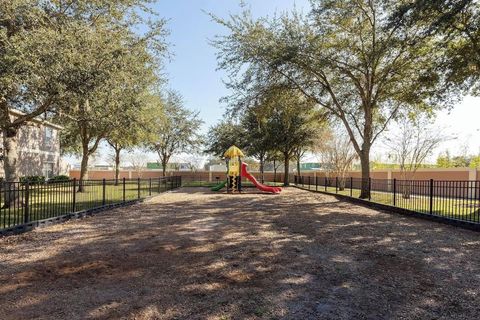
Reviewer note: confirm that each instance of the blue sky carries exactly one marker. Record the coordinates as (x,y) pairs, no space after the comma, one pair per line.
(193,69)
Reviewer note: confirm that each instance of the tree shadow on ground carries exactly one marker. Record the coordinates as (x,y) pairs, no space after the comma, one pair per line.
(193,254)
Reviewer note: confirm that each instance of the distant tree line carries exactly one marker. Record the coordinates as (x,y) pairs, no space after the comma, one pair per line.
(364,64)
(279,125)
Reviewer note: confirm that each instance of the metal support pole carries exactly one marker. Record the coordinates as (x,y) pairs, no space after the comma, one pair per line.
(138,187)
(150,187)
(123,189)
(103,192)
(351,186)
(394,192)
(431,196)
(74,195)
(27,196)
(369,188)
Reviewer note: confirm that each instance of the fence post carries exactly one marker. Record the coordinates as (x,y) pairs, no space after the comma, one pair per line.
(369,189)
(150,187)
(326,183)
(351,186)
(395,192)
(309,183)
(103,191)
(431,196)
(316,183)
(138,187)
(74,200)
(27,196)
(123,189)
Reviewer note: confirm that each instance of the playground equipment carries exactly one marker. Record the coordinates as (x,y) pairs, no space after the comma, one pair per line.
(236,169)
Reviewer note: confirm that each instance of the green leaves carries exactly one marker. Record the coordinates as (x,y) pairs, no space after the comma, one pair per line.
(346,56)
(223,135)
(176,131)
(110,73)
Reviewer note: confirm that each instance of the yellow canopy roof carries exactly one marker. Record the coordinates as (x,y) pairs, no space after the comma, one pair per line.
(233,151)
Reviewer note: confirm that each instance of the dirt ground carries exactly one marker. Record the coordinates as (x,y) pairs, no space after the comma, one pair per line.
(193,254)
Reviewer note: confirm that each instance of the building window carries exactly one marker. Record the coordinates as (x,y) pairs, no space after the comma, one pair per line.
(48,134)
(48,170)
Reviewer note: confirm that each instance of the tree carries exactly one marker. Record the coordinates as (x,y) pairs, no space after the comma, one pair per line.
(336,151)
(211,161)
(258,140)
(475,162)
(275,157)
(33,54)
(462,160)
(176,131)
(133,127)
(291,121)
(412,144)
(444,160)
(222,136)
(345,55)
(137,161)
(194,161)
(298,154)
(113,68)
(457,26)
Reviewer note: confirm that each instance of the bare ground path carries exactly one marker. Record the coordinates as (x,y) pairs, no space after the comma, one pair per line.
(192,254)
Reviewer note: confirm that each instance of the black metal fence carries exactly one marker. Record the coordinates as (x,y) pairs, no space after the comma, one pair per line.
(24,203)
(452,200)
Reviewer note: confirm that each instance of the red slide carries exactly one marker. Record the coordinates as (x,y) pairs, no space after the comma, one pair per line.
(257,184)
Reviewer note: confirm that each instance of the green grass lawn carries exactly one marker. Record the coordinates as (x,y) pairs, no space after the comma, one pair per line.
(51,200)
(461,209)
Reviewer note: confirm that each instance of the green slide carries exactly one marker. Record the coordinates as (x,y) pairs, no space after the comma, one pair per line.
(219,186)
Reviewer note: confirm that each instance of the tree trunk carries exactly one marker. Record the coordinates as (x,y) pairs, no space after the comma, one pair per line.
(117,165)
(365,164)
(298,167)
(274,171)
(286,181)
(164,167)
(341,182)
(262,164)
(10,163)
(83,168)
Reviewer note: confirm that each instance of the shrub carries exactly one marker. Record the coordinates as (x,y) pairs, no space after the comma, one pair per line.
(32,179)
(59,178)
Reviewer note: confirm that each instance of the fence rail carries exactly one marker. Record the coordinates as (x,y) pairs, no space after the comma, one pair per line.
(451,200)
(23,203)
